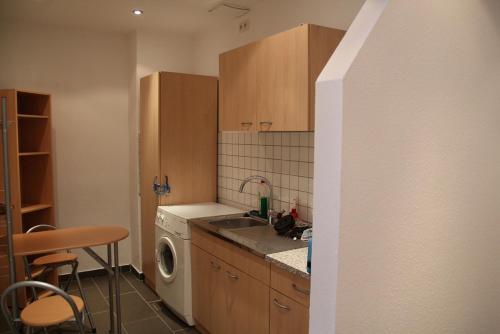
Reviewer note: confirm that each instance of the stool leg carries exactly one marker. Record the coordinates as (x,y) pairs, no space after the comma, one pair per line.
(27,269)
(86,304)
(70,279)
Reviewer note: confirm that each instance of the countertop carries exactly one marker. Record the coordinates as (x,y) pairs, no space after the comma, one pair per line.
(263,241)
(294,261)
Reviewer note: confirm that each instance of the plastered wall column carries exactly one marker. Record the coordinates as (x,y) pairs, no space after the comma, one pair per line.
(419,220)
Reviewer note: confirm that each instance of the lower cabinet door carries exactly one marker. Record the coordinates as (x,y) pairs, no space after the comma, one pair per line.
(287,316)
(209,292)
(218,298)
(201,283)
(247,303)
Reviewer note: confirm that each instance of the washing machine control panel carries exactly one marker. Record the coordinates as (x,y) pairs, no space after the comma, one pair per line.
(161,221)
(172,224)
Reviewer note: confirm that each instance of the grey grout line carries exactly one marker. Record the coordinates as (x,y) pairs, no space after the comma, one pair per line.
(139,320)
(106,301)
(150,306)
(100,291)
(124,294)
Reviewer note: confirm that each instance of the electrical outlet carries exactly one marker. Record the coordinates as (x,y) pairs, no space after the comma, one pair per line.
(244,25)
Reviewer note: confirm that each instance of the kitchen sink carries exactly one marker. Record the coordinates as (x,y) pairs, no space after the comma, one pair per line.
(238,222)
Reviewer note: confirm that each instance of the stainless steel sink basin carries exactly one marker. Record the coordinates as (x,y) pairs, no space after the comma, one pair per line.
(238,222)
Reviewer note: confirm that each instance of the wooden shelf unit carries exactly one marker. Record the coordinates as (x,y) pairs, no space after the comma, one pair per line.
(27,154)
(30,163)
(32,116)
(34,207)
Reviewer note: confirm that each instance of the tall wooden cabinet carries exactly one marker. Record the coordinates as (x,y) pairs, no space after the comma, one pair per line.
(269,85)
(178,140)
(30,162)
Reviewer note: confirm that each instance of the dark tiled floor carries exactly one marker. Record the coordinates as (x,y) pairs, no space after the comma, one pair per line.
(142,310)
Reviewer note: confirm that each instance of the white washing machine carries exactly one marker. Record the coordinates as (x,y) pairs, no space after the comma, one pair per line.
(173,252)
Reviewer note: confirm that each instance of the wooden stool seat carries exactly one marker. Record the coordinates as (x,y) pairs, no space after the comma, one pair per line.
(49,311)
(45,294)
(56,258)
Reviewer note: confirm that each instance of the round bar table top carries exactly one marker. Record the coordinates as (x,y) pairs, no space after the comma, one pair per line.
(67,238)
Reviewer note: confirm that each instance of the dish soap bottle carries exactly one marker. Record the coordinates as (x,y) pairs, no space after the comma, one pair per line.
(309,254)
(293,210)
(264,200)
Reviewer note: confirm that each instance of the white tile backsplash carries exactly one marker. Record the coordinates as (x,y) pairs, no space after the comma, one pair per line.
(285,158)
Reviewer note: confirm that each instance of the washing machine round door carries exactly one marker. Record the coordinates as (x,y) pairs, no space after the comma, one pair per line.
(166,259)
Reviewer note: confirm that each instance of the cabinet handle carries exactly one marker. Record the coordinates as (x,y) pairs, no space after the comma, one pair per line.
(215,266)
(246,123)
(266,123)
(301,290)
(281,306)
(235,277)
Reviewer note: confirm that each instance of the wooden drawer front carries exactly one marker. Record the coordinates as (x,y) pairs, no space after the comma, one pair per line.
(203,240)
(286,315)
(243,260)
(296,287)
(239,258)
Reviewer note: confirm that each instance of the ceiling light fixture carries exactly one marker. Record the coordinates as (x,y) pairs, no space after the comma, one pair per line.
(137,12)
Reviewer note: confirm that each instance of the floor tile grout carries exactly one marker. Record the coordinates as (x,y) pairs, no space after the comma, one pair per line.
(149,305)
(124,294)
(139,320)
(107,302)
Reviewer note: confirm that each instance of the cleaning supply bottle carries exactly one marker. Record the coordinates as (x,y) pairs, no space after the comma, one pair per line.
(293,209)
(309,254)
(264,200)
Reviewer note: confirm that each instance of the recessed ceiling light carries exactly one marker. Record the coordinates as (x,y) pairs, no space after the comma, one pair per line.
(137,11)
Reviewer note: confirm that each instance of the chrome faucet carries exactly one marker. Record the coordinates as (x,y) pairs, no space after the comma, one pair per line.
(262,179)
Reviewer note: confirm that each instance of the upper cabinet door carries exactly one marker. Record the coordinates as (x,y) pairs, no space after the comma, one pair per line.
(269,85)
(282,81)
(188,137)
(237,89)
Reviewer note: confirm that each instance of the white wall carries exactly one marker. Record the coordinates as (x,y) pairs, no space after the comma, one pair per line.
(419,228)
(94,80)
(86,73)
(328,168)
(267,18)
(149,52)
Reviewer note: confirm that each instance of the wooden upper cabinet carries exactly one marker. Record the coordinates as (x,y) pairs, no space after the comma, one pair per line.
(237,89)
(188,137)
(273,80)
(282,81)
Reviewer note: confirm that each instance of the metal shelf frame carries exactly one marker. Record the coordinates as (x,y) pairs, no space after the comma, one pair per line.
(8,201)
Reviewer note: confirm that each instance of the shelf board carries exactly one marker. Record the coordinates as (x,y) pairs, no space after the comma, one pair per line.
(32,116)
(34,207)
(27,154)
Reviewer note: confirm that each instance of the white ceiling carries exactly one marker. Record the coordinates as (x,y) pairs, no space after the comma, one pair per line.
(180,16)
